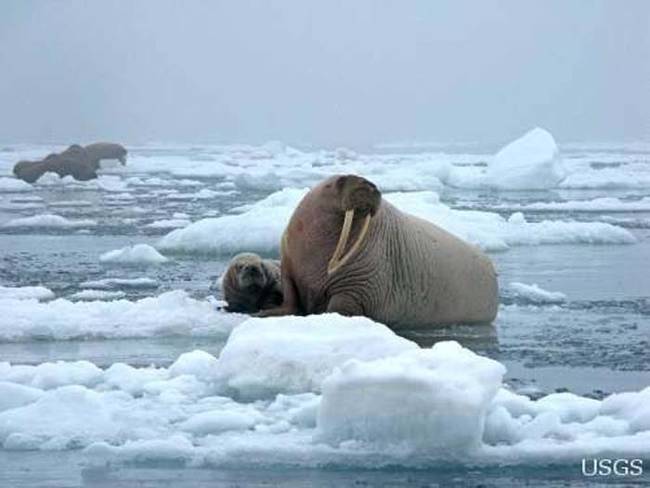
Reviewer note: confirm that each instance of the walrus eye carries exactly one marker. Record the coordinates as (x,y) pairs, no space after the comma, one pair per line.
(336,261)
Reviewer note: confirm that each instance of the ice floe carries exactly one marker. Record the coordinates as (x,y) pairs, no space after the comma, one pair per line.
(265,221)
(264,357)
(26,292)
(171,313)
(113,283)
(48,221)
(528,163)
(602,204)
(13,185)
(535,294)
(382,401)
(98,295)
(137,254)
(169,224)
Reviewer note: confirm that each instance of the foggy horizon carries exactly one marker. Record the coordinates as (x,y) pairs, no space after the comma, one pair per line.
(323,73)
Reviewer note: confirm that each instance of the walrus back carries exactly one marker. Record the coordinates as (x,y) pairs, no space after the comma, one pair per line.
(449,280)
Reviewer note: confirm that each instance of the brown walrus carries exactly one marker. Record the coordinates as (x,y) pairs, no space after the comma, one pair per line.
(106,150)
(79,162)
(251,284)
(347,250)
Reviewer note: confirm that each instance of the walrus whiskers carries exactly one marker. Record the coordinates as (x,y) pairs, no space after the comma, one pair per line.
(336,264)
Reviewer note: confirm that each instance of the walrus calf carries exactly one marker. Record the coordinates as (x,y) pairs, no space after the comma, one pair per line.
(251,284)
(347,250)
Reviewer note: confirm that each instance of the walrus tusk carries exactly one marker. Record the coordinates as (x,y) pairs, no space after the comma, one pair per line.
(335,263)
(343,239)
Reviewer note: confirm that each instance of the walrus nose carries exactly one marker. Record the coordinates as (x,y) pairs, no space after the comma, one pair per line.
(251,270)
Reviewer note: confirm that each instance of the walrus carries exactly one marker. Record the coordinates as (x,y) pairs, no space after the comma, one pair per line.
(106,150)
(29,171)
(251,284)
(73,161)
(347,250)
(82,163)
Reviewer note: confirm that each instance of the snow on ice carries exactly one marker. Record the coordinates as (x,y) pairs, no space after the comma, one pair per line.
(357,395)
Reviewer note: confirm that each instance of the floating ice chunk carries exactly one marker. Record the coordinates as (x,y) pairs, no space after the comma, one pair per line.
(14,395)
(98,295)
(110,183)
(112,283)
(430,400)
(199,364)
(48,221)
(68,417)
(121,376)
(171,313)
(26,292)
(603,204)
(264,223)
(137,254)
(264,357)
(533,293)
(215,422)
(266,220)
(169,224)
(70,203)
(52,375)
(13,185)
(530,162)
(606,178)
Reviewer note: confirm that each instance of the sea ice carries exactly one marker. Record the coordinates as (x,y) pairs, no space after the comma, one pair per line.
(534,294)
(26,292)
(13,185)
(264,357)
(98,295)
(528,163)
(266,220)
(112,283)
(48,221)
(137,254)
(171,313)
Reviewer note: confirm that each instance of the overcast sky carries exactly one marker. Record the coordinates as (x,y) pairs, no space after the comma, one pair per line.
(323,72)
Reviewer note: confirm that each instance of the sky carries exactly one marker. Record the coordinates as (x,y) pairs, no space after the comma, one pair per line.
(323,73)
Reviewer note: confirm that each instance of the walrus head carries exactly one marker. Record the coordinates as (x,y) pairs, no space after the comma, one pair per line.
(357,197)
(250,272)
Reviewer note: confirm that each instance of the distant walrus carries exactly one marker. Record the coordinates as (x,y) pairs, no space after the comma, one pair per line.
(106,150)
(74,161)
(251,284)
(79,162)
(399,269)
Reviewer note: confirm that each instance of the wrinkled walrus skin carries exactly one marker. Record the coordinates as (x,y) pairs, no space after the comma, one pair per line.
(251,284)
(79,162)
(390,266)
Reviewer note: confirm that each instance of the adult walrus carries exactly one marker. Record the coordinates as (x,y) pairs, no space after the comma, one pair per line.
(82,163)
(347,250)
(106,150)
(251,284)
